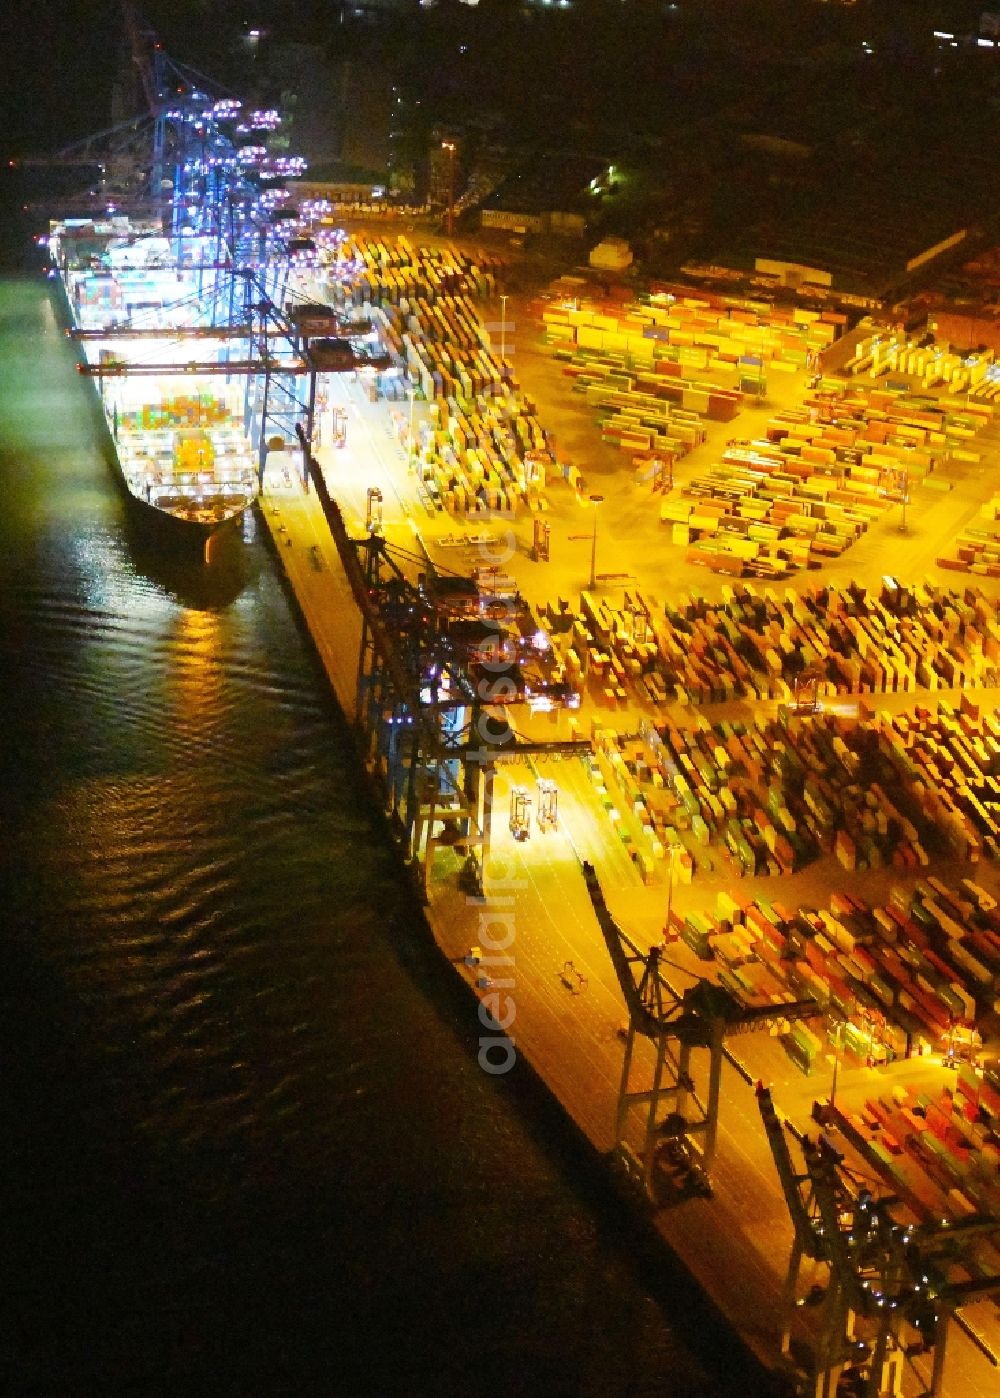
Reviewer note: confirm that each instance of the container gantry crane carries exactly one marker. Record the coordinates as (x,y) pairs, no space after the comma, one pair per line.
(428,723)
(675,1116)
(201,171)
(891,1287)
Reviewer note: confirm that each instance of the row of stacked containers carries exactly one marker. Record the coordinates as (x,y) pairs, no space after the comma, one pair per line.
(702,331)
(646,365)
(98,295)
(884,353)
(939,1150)
(896,421)
(491,454)
(824,473)
(841,640)
(178,410)
(917,974)
(977,549)
(781,792)
(382,270)
(952,758)
(484,447)
(638,363)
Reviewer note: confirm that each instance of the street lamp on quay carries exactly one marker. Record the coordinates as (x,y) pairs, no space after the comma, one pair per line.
(673,850)
(503,329)
(595,500)
(449,147)
(409,437)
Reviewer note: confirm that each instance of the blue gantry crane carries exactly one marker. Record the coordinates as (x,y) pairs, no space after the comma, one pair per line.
(195,182)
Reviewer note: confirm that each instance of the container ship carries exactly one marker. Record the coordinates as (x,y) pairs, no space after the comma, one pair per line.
(178,437)
(176,277)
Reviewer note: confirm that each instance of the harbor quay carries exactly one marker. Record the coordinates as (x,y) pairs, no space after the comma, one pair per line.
(526,938)
(666,618)
(668,628)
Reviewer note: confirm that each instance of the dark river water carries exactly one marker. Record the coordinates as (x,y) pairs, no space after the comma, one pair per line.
(246,1147)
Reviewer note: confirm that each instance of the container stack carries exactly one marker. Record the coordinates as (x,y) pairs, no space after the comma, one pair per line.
(937,367)
(484,449)
(778,794)
(824,473)
(442,345)
(891,425)
(611,381)
(382,271)
(96,297)
(691,332)
(891,976)
(953,759)
(761,506)
(647,365)
(484,454)
(642,824)
(937,1150)
(755,646)
(978,548)
(181,410)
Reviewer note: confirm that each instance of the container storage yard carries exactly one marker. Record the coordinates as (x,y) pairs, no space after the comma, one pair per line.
(646,622)
(786,788)
(648,540)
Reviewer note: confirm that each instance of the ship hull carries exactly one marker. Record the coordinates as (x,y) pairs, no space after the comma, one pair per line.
(176,527)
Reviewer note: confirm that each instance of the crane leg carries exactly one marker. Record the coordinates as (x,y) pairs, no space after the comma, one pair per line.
(623,1094)
(649,1145)
(788,1295)
(940,1350)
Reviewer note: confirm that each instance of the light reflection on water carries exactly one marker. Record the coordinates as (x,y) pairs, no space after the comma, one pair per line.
(244,1125)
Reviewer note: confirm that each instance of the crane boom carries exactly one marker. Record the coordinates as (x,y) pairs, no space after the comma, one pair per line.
(141,60)
(626,958)
(806,1235)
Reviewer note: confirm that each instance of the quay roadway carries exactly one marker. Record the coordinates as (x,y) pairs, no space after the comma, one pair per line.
(312,565)
(371,457)
(567,1028)
(568,1025)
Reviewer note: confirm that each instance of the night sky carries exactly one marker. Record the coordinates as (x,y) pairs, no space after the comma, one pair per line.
(58,59)
(56,74)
